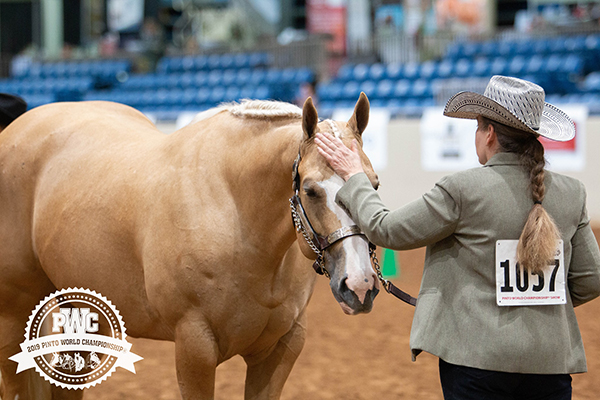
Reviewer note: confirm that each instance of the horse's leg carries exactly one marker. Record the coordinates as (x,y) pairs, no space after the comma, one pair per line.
(266,376)
(196,355)
(27,384)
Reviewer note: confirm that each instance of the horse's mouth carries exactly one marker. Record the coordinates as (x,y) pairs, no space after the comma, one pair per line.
(351,305)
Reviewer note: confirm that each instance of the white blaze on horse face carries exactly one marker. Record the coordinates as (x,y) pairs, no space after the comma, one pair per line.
(361,277)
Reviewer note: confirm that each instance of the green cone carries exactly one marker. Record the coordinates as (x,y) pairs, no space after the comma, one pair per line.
(388,269)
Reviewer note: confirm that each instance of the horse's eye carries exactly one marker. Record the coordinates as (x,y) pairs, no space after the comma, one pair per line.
(310,192)
(311,189)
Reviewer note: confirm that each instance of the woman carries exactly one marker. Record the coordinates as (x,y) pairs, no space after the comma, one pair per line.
(502,330)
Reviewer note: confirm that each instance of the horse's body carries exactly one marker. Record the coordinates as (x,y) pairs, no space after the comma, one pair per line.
(188,234)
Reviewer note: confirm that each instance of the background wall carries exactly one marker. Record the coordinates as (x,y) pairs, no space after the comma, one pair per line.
(404,180)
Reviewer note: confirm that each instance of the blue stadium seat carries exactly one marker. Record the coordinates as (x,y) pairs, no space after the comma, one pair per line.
(214,62)
(517,66)
(557,45)
(445,69)
(360,72)
(463,68)
(232,93)
(201,63)
(227,61)
(215,78)
(203,96)
(384,89)
(241,60)
(411,70)
(499,66)
(535,64)
(524,47)
(377,72)
(488,49)
(428,70)
(351,90)
(506,48)
(304,75)
(481,67)
(345,72)
(247,92)
(200,78)
(229,77)
(273,76)
(368,87)
(257,77)
(421,88)
(243,76)
(470,50)
(591,83)
(262,92)
(217,94)
(394,71)
(542,46)
(289,75)
(402,88)
(454,50)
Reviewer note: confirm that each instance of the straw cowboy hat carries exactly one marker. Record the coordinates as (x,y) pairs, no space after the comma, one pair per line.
(516,103)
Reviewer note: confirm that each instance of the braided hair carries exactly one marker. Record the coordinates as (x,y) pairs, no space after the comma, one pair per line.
(537,243)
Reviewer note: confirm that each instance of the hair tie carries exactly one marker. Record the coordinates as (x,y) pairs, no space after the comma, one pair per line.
(537,202)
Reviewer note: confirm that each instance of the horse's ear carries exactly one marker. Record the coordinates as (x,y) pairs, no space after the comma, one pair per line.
(359,120)
(310,118)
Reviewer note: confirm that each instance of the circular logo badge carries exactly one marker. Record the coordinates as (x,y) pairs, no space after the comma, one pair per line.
(75,339)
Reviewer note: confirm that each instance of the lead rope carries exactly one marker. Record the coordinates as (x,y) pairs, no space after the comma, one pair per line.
(387,285)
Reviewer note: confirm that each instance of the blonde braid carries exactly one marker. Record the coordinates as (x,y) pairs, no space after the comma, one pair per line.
(537,243)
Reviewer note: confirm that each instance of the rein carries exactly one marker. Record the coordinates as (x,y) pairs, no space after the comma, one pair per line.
(319,244)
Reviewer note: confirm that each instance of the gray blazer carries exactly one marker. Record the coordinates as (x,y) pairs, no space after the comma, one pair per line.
(459,220)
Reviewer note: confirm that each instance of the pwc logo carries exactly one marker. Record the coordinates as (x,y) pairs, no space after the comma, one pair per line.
(75,339)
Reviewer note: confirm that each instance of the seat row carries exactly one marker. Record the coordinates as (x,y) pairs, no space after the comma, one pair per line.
(64,69)
(229,77)
(212,62)
(40,86)
(480,67)
(204,97)
(525,47)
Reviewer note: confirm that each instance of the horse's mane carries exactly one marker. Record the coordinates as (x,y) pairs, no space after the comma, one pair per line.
(259,109)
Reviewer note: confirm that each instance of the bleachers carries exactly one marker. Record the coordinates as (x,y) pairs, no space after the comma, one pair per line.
(568,68)
(185,83)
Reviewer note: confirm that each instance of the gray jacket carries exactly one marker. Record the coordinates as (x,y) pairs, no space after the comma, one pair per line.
(459,220)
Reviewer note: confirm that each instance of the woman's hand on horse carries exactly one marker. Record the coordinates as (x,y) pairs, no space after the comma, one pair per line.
(344,161)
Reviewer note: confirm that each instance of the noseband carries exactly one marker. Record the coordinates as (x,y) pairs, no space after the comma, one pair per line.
(319,244)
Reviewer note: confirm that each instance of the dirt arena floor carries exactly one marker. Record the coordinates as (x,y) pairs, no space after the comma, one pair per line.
(365,357)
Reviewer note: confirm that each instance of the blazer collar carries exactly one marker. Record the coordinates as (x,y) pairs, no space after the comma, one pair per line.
(503,159)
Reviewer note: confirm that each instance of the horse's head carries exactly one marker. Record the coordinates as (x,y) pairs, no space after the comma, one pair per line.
(325,225)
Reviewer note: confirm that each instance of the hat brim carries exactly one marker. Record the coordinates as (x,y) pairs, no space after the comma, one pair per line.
(555,124)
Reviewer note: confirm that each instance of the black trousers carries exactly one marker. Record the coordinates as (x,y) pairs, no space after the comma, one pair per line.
(466,383)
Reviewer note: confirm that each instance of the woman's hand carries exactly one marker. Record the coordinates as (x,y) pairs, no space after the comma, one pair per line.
(344,161)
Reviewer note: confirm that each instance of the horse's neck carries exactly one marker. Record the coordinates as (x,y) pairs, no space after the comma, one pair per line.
(254,159)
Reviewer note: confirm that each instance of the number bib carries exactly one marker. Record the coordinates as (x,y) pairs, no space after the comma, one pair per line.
(516,287)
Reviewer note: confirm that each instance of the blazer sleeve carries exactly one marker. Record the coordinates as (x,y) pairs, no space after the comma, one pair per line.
(584,271)
(419,223)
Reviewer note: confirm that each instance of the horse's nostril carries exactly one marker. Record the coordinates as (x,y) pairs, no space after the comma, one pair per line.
(343,288)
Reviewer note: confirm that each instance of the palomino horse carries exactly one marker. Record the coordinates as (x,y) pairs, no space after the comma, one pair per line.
(189,235)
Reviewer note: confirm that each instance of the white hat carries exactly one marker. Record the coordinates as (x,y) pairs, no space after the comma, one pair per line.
(514,102)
